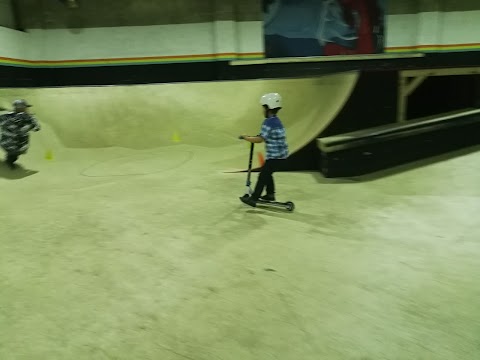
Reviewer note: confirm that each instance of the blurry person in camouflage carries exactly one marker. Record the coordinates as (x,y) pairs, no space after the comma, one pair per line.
(14,131)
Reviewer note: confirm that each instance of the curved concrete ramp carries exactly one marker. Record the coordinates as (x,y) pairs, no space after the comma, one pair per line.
(204,119)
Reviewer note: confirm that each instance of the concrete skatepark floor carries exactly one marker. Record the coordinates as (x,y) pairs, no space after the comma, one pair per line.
(110,252)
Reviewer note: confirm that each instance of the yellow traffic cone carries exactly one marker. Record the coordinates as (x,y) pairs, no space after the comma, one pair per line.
(176,137)
(49,155)
(261,159)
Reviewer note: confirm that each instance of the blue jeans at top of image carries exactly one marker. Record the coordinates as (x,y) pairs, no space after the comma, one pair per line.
(321,20)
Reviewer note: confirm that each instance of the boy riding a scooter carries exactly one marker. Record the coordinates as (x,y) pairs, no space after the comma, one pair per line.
(274,135)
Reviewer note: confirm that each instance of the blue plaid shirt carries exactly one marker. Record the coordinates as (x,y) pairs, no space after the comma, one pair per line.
(275,138)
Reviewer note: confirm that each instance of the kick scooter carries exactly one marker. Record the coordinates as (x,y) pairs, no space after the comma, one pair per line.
(289,206)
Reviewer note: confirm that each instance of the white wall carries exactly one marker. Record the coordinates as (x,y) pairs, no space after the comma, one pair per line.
(104,43)
(250,37)
(238,37)
(463,26)
(434,31)
(13,43)
(408,37)
(221,37)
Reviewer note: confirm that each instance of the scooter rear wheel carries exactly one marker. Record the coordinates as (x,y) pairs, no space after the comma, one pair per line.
(290,206)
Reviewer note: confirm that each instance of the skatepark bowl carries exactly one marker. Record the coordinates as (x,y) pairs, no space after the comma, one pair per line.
(123,237)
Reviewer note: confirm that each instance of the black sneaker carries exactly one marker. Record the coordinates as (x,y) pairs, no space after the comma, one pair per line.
(249,201)
(268,197)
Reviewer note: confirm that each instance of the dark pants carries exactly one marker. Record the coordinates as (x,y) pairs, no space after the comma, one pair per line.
(12,157)
(265,178)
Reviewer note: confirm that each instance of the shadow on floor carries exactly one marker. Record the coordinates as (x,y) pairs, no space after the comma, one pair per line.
(416,164)
(326,181)
(16,174)
(397,169)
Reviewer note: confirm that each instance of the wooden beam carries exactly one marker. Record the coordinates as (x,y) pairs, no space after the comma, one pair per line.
(325,59)
(441,72)
(414,84)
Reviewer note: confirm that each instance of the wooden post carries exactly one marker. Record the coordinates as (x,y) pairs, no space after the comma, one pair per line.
(402,98)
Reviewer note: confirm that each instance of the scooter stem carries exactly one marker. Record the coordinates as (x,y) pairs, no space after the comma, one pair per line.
(250,161)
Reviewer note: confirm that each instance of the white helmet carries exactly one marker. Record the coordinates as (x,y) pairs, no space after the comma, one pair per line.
(272,101)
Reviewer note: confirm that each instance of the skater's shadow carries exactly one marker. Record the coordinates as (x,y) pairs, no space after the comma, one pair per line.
(16,174)
(273,212)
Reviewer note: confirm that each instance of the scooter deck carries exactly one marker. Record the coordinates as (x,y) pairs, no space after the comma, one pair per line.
(290,206)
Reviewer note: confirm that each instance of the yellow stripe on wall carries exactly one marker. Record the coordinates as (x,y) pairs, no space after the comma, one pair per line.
(207,57)
(132,61)
(434,48)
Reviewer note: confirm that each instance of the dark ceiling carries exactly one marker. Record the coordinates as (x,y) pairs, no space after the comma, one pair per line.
(54,14)
(416,6)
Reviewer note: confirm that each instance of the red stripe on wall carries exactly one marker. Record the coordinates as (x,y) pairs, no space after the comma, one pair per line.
(433,46)
(178,57)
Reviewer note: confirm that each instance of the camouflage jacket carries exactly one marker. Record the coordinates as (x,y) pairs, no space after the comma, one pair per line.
(14,129)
